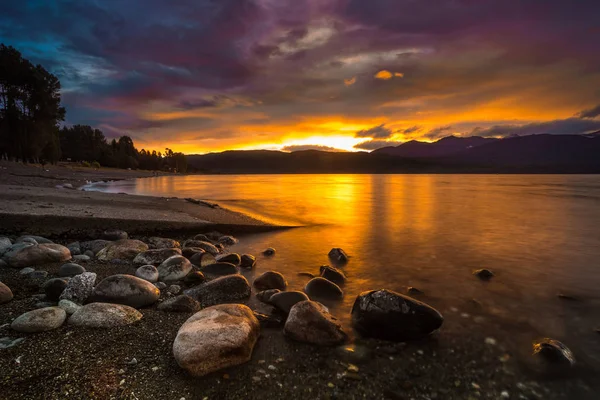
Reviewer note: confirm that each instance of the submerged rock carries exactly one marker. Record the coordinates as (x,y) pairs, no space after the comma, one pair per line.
(163,243)
(220,268)
(232,258)
(53,288)
(6,294)
(127,290)
(104,315)
(388,315)
(227,240)
(284,301)
(40,320)
(22,255)
(332,274)
(79,288)
(311,322)
(483,274)
(215,338)
(413,290)
(270,280)
(174,269)
(321,288)
(269,251)
(202,259)
(155,256)
(125,249)
(265,295)
(338,255)
(225,289)
(553,351)
(70,269)
(148,273)
(247,261)
(182,303)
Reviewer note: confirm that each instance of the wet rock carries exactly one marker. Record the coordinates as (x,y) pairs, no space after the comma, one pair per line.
(81,258)
(127,290)
(45,304)
(90,254)
(174,269)
(148,273)
(269,251)
(194,278)
(124,249)
(202,259)
(22,255)
(225,289)
(247,261)
(155,256)
(232,258)
(70,269)
(180,303)
(388,315)
(53,288)
(220,247)
(33,239)
(115,234)
(227,240)
(321,288)
(160,285)
(310,322)
(219,268)
(215,338)
(413,290)
(26,271)
(188,252)
(7,342)
(5,244)
(307,274)
(568,297)
(104,315)
(206,246)
(40,320)
(483,274)
(269,320)
(163,243)
(202,237)
(284,301)
(270,280)
(554,352)
(338,255)
(3,263)
(74,248)
(94,246)
(174,289)
(69,306)
(265,295)
(79,288)
(332,274)
(6,294)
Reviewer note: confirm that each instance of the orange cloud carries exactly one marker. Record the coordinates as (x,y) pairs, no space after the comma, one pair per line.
(350,82)
(386,75)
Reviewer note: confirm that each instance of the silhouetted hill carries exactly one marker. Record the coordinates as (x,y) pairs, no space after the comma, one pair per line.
(443,147)
(524,154)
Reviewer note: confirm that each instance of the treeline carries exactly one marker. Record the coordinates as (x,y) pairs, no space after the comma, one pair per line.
(30,118)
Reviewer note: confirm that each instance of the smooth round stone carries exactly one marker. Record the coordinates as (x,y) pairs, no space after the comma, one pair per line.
(332,274)
(227,240)
(90,254)
(148,273)
(40,320)
(74,248)
(219,268)
(23,255)
(265,295)
(202,237)
(188,252)
(483,274)
(104,315)
(156,256)
(70,270)
(127,290)
(321,288)
(160,285)
(174,269)
(247,261)
(553,351)
(338,255)
(202,259)
(225,289)
(69,306)
(181,303)
(284,301)
(232,258)
(269,251)
(6,294)
(54,288)
(206,246)
(311,322)
(194,278)
(270,280)
(82,258)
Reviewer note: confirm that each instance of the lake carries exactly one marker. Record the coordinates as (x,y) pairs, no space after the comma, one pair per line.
(540,234)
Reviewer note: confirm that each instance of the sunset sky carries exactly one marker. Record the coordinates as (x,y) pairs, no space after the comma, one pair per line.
(201,76)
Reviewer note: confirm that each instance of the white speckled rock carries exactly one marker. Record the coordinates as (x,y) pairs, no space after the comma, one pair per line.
(104,315)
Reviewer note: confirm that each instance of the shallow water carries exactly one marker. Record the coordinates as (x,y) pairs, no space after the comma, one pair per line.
(540,234)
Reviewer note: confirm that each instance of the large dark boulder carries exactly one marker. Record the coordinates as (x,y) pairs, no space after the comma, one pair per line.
(338,256)
(22,255)
(284,301)
(70,269)
(202,259)
(388,315)
(321,288)
(332,274)
(270,280)
(247,261)
(232,258)
(310,322)
(53,288)
(225,289)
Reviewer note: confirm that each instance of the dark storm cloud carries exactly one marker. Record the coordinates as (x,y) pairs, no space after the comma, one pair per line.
(376,144)
(438,133)
(376,132)
(304,147)
(569,126)
(591,113)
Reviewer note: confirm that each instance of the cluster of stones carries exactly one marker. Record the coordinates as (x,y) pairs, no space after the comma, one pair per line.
(222,331)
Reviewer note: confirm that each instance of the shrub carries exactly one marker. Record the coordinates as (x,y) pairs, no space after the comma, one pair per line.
(96,165)
(85,164)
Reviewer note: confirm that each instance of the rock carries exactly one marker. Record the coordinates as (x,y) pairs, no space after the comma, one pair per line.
(269,320)
(5,244)
(45,304)
(82,258)
(219,268)
(225,289)
(156,256)
(202,237)
(33,239)
(174,269)
(94,246)
(388,315)
(36,278)
(148,273)
(54,288)
(307,274)
(90,254)
(125,249)
(40,320)
(265,295)
(270,280)
(26,271)
(332,274)
(413,290)
(70,269)
(6,294)
(269,251)
(338,255)
(19,256)
(180,303)
(202,259)
(7,342)
(284,301)
(247,261)
(69,306)
(483,274)
(104,315)
(194,278)
(310,322)
(206,246)
(188,252)
(553,351)
(127,290)
(79,288)
(321,288)
(74,248)
(213,236)
(232,258)
(163,243)
(3,263)
(174,289)
(160,285)
(215,338)
(115,234)
(227,240)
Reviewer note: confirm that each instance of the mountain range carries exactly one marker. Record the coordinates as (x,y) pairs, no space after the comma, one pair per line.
(542,153)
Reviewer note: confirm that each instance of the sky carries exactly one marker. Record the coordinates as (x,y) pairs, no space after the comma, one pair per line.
(201,76)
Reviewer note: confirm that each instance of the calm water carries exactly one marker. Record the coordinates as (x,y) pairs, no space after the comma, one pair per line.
(539,234)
